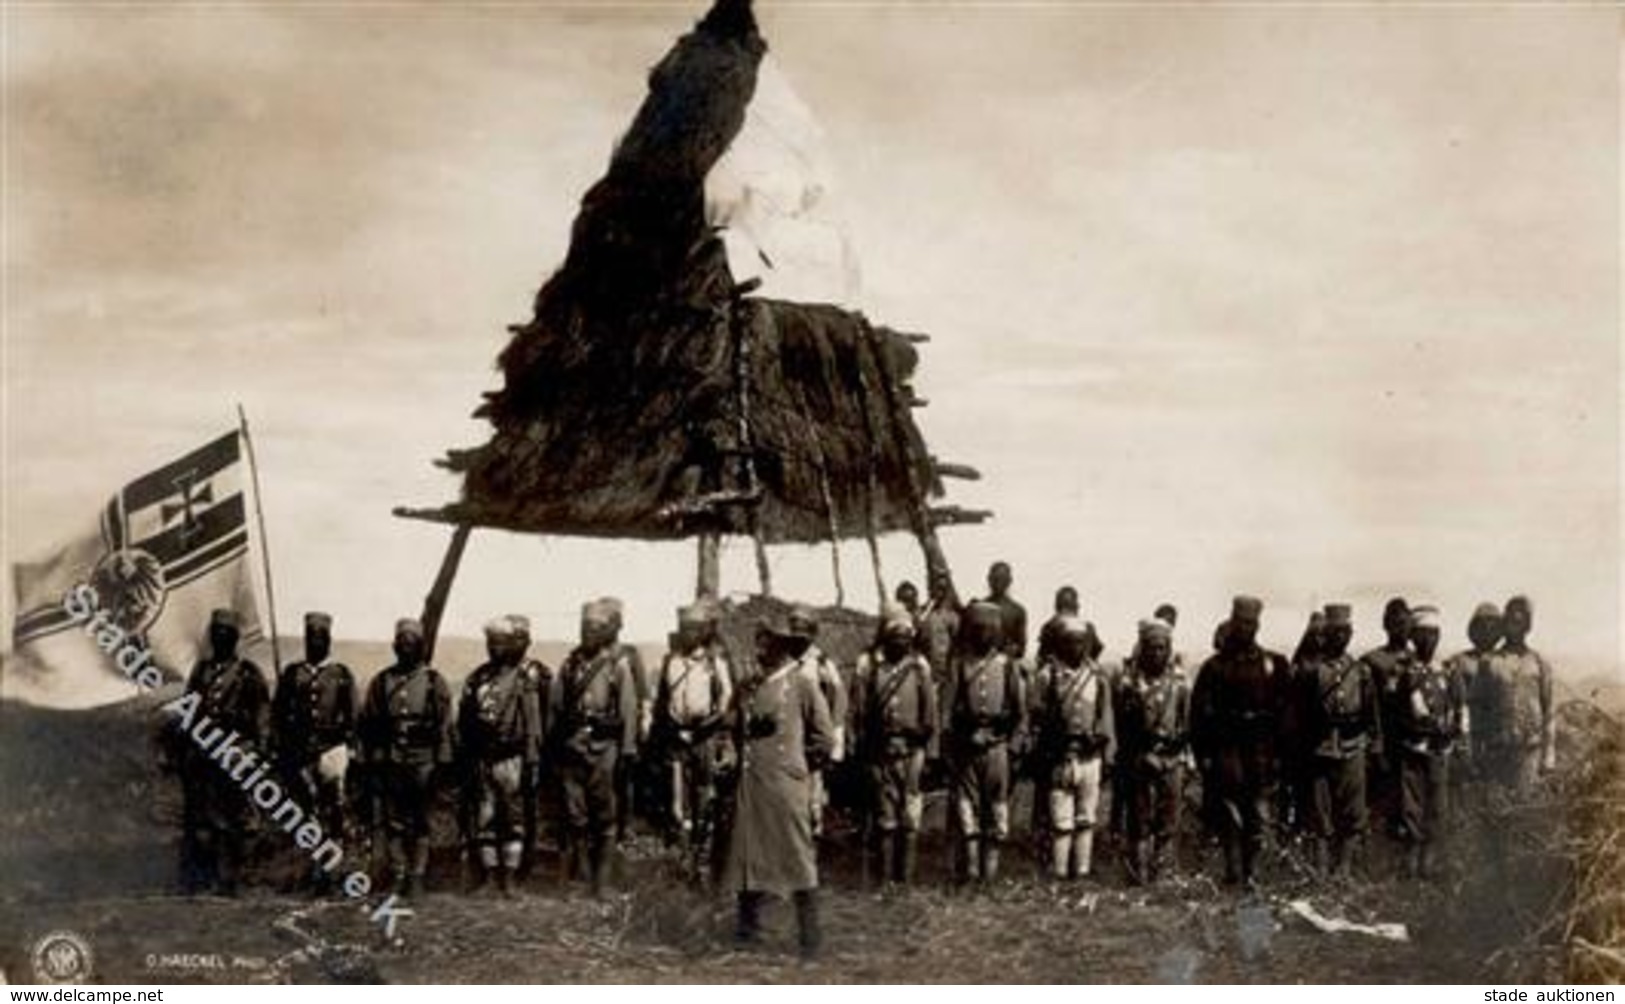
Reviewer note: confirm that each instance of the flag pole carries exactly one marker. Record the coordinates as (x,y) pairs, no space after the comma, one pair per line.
(265,548)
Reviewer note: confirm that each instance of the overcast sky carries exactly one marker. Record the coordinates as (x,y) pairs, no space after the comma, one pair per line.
(1318,304)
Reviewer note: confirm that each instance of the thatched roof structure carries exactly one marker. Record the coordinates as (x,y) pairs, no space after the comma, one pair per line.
(651,397)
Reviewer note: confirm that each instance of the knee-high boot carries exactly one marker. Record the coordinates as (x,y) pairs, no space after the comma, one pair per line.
(810,935)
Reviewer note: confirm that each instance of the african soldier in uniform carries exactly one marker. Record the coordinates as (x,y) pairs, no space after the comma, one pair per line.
(1431,721)
(313,717)
(692,695)
(894,704)
(405,728)
(538,677)
(1237,707)
(1153,732)
(232,696)
(1388,664)
(783,734)
(817,667)
(987,709)
(1341,727)
(1076,734)
(1473,668)
(499,723)
(592,722)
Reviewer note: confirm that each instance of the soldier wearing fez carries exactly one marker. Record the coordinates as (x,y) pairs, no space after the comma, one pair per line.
(1240,701)
(1153,730)
(231,696)
(783,733)
(405,728)
(1341,728)
(592,724)
(1076,733)
(986,711)
(895,716)
(314,715)
(500,728)
(1431,724)
(692,694)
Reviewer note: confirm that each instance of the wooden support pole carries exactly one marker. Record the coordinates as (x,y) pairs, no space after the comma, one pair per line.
(709,582)
(764,572)
(874,563)
(434,605)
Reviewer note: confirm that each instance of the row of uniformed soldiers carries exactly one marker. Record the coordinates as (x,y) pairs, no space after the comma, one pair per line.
(1251,721)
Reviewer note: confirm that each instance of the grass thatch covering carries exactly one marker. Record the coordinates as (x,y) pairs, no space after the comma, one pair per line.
(644,382)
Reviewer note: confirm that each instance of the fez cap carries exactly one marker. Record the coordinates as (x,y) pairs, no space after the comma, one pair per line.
(224,617)
(1156,627)
(1485,612)
(519,624)
(1246,608)
(318,620)
(1339,615)
(499,627)
(601,611)
(409,626)
(802,622)
(1425,616)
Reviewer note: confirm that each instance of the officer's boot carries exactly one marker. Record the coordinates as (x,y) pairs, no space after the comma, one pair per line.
(908,856)
(972,859)
(810,935)
(886,858)
(1083,851)
(990,860)
(748,919)
(1060,855)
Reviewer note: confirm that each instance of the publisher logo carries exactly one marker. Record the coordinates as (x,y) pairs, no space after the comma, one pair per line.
(62,957)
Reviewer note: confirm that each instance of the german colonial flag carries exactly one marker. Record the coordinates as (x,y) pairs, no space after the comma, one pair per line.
(165,551)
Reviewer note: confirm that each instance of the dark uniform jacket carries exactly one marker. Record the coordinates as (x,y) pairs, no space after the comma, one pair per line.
(1339,707)
(592,704)
(894,705)
(499,717)
(987,702)
(1241,699)
(314,709)
(1075,715)
(1153,719)
(233,695)
(407,717)
(1388,668)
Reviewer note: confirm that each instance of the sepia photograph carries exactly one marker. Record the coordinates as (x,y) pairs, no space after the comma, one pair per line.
(811,491)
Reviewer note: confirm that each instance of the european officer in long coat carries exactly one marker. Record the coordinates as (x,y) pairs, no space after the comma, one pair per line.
(783,733)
